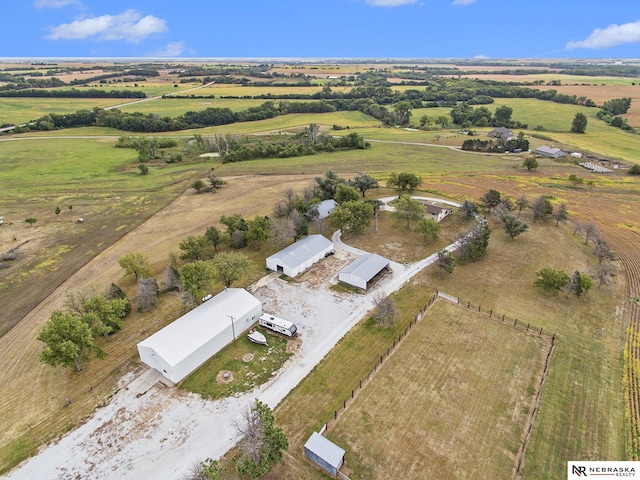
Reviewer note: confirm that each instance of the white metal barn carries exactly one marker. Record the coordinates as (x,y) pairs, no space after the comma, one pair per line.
(182,346)
(301,255)
(325,208)
(359,272)
(324,452)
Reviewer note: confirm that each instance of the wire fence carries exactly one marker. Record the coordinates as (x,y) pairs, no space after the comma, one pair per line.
(503,318)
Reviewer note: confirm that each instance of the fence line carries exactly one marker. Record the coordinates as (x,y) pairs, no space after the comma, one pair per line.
(527,326)
(534,410)
(384,356)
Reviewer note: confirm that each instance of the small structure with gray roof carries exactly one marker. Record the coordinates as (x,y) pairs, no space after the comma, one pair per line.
(502,133)
(325,207)
(361,271)
(550,152)
(299,256)
(324,452)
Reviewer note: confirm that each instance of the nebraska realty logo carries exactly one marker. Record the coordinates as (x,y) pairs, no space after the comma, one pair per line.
(603,469)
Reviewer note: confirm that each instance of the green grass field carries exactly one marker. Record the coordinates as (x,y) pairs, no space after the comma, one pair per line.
(167,107)
(21,110)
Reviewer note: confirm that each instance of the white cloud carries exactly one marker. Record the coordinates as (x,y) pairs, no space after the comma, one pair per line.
(389,3)
(463,2)
(172,49)
(129,26)
(56,3)
(609,37)
(480,57)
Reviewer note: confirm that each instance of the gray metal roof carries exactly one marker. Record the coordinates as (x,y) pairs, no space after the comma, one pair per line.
(366,266)
(325,207)
(548,150)
(325,449)
(301,251)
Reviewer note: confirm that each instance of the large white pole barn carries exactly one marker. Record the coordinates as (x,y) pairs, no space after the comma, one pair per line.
(182,346)
(299,256)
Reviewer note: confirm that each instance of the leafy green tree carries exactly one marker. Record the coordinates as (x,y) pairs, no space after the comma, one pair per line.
(215,181)
(197,278)
(490,199)
(576,180)
(617,106)
(329,184)
(57,210)
(351,216)
(234,222)
(402,111)
(135,264)
(560,214)
(579,124)
(502,116)
(530,163)
(258,229)
(445,262)
(550,280)
(579,284)
(513,226)
(230,267)
(116,292)
(346,193)
(206,470)
(408,208)
(262,442)
(198,185)
(473,246)
(468,209)
(144,170)
(429,228)
(195,247)
(404,181)
(31,220)
(68,341)
(442,120)
(214,236)
(635,169)
(364,182)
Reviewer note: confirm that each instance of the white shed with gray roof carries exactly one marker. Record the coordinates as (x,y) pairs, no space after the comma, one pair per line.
(299,256)
(360,272)
(324,452)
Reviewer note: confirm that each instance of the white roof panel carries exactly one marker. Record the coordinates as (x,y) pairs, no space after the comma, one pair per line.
(366,266)
(179,339)
(302,251)
(325,449)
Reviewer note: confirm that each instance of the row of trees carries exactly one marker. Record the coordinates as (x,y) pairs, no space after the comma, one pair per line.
(519,144)
(71,335)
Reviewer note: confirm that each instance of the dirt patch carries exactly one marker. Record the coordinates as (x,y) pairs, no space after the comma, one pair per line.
(225,376)
(293,344)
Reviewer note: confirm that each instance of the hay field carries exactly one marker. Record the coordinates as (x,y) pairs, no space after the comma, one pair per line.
(453,399)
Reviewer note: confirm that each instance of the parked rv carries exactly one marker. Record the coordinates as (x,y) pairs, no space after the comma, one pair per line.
(278,325)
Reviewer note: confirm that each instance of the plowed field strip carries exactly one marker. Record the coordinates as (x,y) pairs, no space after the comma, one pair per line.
(627,248)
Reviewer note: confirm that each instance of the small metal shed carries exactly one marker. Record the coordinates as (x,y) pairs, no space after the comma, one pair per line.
(360,272)
(324,452)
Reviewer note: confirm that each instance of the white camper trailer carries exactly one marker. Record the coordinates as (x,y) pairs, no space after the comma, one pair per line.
(278,325)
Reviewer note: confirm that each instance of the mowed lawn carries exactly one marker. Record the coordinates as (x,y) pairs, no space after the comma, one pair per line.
(451,402)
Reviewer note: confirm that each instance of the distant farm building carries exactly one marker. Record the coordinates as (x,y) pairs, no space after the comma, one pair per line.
(1,220)
(550,152)
(182,346)
(361,271)
(437,213)
(299,256)
(501,133)
(325,208)
(576,154)
(324,452)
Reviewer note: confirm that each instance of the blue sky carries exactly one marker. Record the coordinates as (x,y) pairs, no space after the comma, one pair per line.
(321,28)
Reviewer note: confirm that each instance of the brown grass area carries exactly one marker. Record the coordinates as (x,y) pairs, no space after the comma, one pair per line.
(454,398)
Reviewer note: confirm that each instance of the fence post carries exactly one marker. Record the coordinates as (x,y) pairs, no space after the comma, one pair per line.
(528,326)
(335,414)
(515,323)
(491,313)
(351,393)
(503,317)
(344,405)
(360,384)
(458,300)
(469,304)
(540,330)
(478,307)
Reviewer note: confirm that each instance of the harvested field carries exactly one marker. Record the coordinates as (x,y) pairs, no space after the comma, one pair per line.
(454,398)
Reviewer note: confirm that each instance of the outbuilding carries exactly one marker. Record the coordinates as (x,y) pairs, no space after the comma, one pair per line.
(182,346)
(299,256)
(324,452)
(362,270)
(325,208)
(550,152)
(436,212)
